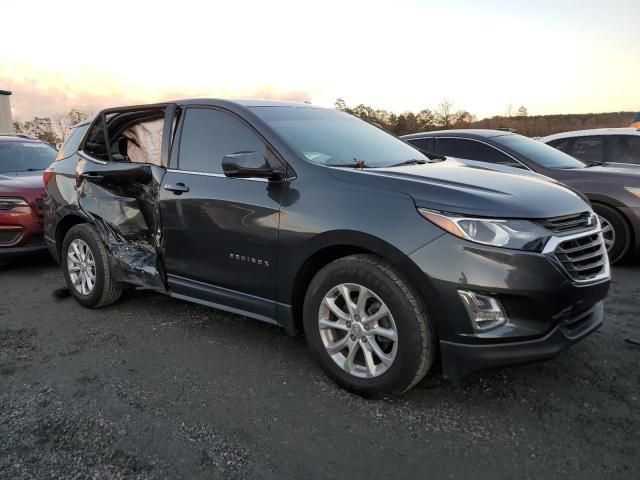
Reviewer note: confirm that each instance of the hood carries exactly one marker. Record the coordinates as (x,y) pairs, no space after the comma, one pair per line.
(28,185)
(473,188)
(616,169)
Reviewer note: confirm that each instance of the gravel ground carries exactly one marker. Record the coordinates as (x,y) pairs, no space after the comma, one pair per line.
(153,387)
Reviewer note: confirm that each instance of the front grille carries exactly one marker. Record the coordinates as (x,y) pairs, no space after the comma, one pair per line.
(569,223)
(7,237)
(583,258)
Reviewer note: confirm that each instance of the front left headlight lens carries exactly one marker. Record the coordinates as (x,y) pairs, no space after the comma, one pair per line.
(516,234)
(7,203)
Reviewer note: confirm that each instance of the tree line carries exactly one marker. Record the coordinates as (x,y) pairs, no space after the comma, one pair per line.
(52,131)
(444,116)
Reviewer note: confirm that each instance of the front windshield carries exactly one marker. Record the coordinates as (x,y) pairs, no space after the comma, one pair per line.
(330,137)
(25,156)
(538,152)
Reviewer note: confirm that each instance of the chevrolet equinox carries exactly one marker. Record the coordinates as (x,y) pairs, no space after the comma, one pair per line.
(385,258)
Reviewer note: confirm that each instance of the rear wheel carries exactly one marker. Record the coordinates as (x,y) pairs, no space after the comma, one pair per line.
(86,268)
(367,327)
(615,232)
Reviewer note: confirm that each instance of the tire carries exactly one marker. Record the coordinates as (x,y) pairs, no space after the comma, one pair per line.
(611,218)
(104,290)
(413,351)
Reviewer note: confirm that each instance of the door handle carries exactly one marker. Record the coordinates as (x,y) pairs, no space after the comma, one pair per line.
(178,188)
(92,176)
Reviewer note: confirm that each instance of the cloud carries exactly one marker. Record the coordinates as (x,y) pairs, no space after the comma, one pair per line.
(47,94)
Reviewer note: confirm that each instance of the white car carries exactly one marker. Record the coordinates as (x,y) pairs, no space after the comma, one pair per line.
(599,145)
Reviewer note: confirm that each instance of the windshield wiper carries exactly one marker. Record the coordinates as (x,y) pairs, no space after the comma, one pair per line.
(355,164)
(413,161)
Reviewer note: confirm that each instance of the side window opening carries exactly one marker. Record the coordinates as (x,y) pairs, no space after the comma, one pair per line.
(473,150)
(624,148)
(561,144)
(134,136)
(588,149)
(209,134)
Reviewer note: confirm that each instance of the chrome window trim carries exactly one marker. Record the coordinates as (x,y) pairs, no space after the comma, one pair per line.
(218,175)
(91,159)
(488,145)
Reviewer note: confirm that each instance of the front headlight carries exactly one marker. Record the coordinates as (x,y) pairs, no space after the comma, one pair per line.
(7,203)
(516,234)
(633,191)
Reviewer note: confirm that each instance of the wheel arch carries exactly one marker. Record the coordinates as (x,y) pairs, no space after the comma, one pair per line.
(334,245)
(63,226)
(614,206)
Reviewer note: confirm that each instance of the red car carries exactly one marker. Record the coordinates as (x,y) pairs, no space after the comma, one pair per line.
(22,161)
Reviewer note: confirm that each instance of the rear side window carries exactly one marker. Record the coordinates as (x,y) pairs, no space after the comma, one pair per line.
(472,150)
(561,144)
(424,144)
(588,149)
(624,148)
(208,135)
(72,142)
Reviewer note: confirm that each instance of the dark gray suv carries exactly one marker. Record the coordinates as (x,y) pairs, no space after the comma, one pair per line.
(309,218)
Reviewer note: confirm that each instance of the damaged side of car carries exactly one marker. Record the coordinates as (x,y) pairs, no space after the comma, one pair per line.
(120,164)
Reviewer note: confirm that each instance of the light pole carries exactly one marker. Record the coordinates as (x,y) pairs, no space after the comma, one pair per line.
(6,120)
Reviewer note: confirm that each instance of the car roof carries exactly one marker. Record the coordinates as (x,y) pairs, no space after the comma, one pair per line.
(468,132)
(592,131)
(243,102)
(18,137)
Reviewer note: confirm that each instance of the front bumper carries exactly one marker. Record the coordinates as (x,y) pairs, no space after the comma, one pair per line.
(460,359)
(547,310)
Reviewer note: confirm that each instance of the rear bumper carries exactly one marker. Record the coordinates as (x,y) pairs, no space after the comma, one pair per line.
(460,359)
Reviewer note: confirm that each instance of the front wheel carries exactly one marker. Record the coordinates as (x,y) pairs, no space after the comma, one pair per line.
(615,232)
(367,327)
(86,268)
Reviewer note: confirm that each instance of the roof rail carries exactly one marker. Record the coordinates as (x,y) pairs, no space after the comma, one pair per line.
(19,135)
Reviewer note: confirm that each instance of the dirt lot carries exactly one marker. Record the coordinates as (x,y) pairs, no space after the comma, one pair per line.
(158,388)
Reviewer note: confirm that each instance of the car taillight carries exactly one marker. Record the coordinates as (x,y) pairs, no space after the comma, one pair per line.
(47,175)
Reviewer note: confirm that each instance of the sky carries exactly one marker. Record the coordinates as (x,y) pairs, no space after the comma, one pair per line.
(552,56)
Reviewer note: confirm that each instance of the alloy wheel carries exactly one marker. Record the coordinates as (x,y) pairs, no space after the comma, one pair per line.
(81,266)
(608,233)
(357,330)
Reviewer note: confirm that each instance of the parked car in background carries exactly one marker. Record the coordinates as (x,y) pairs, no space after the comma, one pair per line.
(614,191)
(317,221)
(22,162)
(599,146)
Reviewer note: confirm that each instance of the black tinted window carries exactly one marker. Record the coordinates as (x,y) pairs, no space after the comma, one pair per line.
(472,150)
(624,148)
(95,144)
(588,149)
(424,144)
(208,135)
(72,142)
(561,144)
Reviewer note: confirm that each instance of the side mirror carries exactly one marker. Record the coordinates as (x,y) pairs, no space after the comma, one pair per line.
(247,165)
